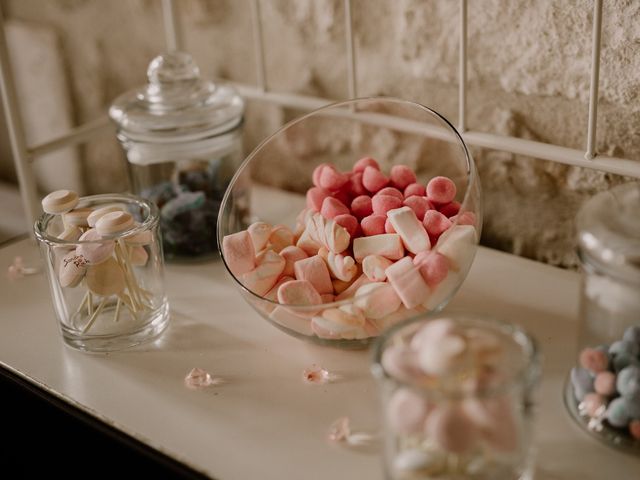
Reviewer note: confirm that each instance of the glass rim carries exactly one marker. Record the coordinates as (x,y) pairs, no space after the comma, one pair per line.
(472,178)
(526,376)
(149,222)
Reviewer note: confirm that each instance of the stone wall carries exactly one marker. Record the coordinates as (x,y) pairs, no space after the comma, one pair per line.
(528,76)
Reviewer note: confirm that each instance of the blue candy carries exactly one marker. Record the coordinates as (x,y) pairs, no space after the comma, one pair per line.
(617,414)
(623,360)
(633,408)
(582,382)
(628,382)
(625,347)
(632,334)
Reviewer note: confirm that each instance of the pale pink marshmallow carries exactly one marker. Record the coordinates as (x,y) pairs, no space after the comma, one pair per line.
(269,267)
(419,205)
(331,179)
(374,266)
(377,299)
(291,255)
(337,238)
(287,318)
(451,429)
(443,357)
(273,293)
(398,316)
(355,186)
(414,236)
(301,221)
(373,179)
(342,267)
(315,176)
(361,206)
(351,290)
(315,197)
(388,226)
(320,327)
(348,222)
(441,190)
(407,411)
(392,191)
(345,315)
(307,244)
(332,207)
(383,203)
(328,297)
(281,237)
(239,253)
(450,209)
(436,223)
(496,421)
(298,292)
(259,232)
(458,245)
(415,189)
(432,332)
(401,362)
(433,267)
(339,286)
(373,225)
(365,162)
(402,176)
(388,245)
(314,269)
(408,282)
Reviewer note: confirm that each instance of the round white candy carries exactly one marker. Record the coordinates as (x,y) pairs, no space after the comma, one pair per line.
(138,256)
(98,213)
(97,252)
(78,217)
(106,279)
(72,269)
(60,201)
(114,222)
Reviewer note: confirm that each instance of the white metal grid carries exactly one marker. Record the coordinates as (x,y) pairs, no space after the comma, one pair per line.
(24,154)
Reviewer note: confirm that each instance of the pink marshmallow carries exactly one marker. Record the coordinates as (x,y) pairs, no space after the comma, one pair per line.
(605,383)
(327,297)
(415,189)
(419,205)
(374,180)
(377,300)
(441,190)
(291,255)
(314,269)
(450,209)
(387,245)
(373,225)
(374,266)
(402,176)
(349,222)
(351,290)
(315,176)
(269,267)
(281,237)
(408,282)
(355,187)
(260,233)
(363,163)
(315,197)
(383,203)
(435,223)
(394,192)
(388,227)
(285,317)
(298,292)
(273,293)
(332,207)
(331,179)
(239,253)
(433,267)
(413,234)
(451,429)
(407,411)
(342,196)
(361,206)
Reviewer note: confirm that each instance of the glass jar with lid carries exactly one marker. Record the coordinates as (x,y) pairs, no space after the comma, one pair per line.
(603,391)
(183,139)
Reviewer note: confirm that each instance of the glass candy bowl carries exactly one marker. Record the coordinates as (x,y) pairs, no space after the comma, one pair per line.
(280,171)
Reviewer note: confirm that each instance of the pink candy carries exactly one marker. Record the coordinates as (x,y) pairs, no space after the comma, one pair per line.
(450,209)
(315,197)
(402,176)
(298,292)
(388,226)
(365,162)
(239,253)
(291,255)
(355,187)
(394,192)
(605,383)
(433,267)
(332,207)
(314,269)
(331,179)
(441,190)
(407,411)
(373,225)
(419,205)
(435,223)
(349,222)
(408,282)
(594,360)
(361,206)
(383,203)
(373,179)
(415,189)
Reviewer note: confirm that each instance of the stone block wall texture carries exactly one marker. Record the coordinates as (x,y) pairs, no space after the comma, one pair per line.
(528,77)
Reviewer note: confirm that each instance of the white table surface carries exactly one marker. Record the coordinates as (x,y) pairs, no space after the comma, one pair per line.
(265,422)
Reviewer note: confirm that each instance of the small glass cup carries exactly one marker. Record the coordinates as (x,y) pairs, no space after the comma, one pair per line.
(471,415)
(107,291)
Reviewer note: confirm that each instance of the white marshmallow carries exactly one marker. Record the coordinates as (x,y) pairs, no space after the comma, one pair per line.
(388,245)
(413,234)
(377,300)
(269,266)
(341,267)
(458,245)
(285,317)
(259,233)
(408,283)
(374,266)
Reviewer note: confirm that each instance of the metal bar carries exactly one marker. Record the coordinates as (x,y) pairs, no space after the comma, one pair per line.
(462,71)
(518,146)
(595,80)
(77,135)
(172,32)
(351,53)
(258,45)
(28,190)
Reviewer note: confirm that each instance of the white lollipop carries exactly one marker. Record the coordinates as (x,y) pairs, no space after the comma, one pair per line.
(98,213)
(106,278)
(60,201)
(78,217)
(113,223)
(70,234)
(72,269)
(97,252)
(138,256)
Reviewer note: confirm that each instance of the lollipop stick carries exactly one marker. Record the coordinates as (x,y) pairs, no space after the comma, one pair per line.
(116,316)
(89,303)
(94,317)
(133,284)
(83,303)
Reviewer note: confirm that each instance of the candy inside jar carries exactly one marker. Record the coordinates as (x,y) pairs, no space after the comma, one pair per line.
(456,395)
(105,265)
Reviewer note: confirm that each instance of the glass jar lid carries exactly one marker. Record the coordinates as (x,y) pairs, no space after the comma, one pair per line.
(609,231)
(176,104)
